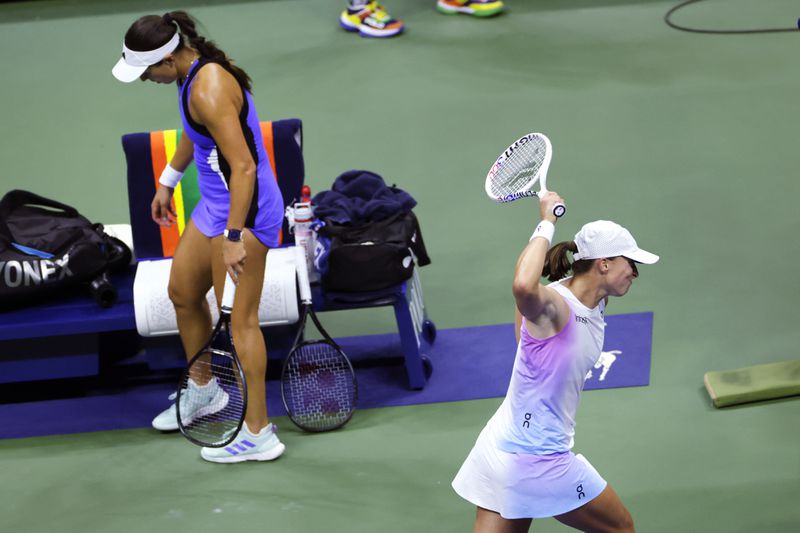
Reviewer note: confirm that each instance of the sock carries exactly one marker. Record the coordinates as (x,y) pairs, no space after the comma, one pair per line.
(358,4)
(261,433)
(205,386)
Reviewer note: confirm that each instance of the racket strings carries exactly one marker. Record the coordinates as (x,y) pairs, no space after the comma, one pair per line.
(213,399)
(319,387)
(520,167)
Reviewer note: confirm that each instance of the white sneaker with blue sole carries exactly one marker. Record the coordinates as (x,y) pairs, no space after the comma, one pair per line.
(248,446)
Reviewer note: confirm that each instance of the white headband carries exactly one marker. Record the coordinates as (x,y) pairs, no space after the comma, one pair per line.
(133,63)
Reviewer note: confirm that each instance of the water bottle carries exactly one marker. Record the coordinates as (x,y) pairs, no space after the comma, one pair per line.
(303,235)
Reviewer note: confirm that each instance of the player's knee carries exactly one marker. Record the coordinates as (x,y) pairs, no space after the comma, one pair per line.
(181,296)
(244,323)
(625,523)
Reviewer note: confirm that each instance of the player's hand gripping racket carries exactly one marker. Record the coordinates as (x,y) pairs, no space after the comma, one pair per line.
(518,169)
(212,394)
(318,384)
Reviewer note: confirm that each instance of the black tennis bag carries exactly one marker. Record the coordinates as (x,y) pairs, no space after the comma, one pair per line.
(372,256)
(46,245)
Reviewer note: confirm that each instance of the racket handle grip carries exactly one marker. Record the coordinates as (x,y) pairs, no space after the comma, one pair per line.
(228,294)
(559,210)
(302,273)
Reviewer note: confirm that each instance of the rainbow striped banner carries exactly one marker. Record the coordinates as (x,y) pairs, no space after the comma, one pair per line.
(186,195)
(148,153)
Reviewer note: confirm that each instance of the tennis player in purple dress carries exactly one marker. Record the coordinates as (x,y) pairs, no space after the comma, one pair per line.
(237,220)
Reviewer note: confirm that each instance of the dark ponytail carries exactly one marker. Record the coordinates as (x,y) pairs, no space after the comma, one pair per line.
(207,49)
(557,264)
(151,32)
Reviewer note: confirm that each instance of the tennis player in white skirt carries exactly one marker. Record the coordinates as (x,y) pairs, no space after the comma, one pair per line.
(522,466)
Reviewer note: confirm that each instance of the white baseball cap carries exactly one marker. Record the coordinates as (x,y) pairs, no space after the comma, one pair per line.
(603,238)
(133,63)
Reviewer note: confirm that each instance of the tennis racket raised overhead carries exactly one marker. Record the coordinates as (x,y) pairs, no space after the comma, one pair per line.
(514,174)
(318,384)
(212,394)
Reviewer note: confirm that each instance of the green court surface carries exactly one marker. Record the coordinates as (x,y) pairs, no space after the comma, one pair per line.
(688,140)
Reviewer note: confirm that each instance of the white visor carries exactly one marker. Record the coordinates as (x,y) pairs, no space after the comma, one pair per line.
(133,63)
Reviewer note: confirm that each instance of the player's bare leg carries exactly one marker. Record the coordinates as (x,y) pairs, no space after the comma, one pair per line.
(487,521)
(247,335)
(189,281)
(604,514)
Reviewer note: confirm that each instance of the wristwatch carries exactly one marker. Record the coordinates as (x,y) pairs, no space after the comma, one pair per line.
(234,235)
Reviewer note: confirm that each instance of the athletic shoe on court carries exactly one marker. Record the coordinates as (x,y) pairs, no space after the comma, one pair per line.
(247,446)
(204,400)
(476,8)
(371,21)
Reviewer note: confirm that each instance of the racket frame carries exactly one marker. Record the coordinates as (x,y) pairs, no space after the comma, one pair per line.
(540,176)
(305,298)
(224,322)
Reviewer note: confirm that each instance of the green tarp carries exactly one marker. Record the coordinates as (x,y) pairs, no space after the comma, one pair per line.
(753,383)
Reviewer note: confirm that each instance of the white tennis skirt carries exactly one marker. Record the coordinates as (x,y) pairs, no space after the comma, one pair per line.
(520,485)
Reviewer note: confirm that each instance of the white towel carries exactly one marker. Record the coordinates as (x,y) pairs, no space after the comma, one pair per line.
(155,315)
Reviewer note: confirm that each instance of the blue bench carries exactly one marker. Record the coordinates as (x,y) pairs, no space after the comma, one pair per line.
(71,336)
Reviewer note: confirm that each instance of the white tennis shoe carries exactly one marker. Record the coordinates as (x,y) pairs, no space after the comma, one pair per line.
(205,400)
(247,446)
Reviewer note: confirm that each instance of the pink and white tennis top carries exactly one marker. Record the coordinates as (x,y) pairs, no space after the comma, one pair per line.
(538,413)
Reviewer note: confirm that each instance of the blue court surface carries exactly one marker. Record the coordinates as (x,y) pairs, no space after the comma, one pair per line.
(469,363)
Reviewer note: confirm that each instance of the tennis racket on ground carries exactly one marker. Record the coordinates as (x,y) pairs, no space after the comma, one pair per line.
(212,393)
(318,384)
(519,167)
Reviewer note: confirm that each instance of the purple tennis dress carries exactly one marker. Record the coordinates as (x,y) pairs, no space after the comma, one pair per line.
(522,465)
(265,216)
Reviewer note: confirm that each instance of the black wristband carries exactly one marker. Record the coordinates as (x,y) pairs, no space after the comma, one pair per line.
(233,235)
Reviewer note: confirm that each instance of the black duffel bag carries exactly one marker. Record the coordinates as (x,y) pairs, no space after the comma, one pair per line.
(372,256)
(46,245)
